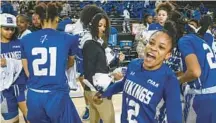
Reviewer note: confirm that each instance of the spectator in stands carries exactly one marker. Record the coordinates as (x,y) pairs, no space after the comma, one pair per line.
(23,7)
(6,7)
(36,22)
(126,22)
(140,38)
(15,5)
(31,5)
(147,20)
(163,11)
(22,24)
(65,9)
(197,14)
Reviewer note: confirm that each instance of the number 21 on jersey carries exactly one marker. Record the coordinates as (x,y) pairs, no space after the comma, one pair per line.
(45,54)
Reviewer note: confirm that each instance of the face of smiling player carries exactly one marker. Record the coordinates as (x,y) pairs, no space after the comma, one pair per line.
(157,50)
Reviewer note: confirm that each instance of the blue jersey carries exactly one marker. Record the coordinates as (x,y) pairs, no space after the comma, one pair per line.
(148,93)
(63,23)
(155,26)
(12,49)
(47,51)
(209,38)
(192,44)
(84,36)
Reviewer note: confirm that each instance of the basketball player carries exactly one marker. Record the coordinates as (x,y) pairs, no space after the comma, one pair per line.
(45,56)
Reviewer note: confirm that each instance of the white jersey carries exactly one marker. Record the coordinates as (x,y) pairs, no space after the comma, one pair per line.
(10,73)
(71,76)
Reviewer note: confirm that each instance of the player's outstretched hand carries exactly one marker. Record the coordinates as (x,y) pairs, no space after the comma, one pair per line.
(117,76)
(97,98)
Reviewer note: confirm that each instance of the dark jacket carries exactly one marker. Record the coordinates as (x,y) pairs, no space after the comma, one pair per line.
(94,60)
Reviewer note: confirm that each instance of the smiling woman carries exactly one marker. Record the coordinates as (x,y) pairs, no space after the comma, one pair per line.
(157,50)
(151,91)
(22,24)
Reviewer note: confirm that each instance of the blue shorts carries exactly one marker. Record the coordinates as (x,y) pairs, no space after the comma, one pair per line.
(204,107)
(10,99)
(51,107)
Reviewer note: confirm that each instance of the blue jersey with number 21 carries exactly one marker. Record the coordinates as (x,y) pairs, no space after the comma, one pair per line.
(47,52)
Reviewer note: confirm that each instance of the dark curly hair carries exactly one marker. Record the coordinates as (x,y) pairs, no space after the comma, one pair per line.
(205,22)
(166,6)
(88,12)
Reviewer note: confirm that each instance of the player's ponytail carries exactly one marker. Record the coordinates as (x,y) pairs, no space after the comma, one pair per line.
(180,22)
(48,11)
(171,30)
(205,22)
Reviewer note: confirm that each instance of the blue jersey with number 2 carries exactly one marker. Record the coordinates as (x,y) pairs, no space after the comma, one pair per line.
(147,95)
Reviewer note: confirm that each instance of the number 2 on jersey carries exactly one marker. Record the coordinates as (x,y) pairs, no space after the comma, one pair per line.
(211,58)
(44,57)
(132,112)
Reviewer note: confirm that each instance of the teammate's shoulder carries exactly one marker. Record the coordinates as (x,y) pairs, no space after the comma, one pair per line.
(186,38)
(69,37)
(66,34)
(27,37)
